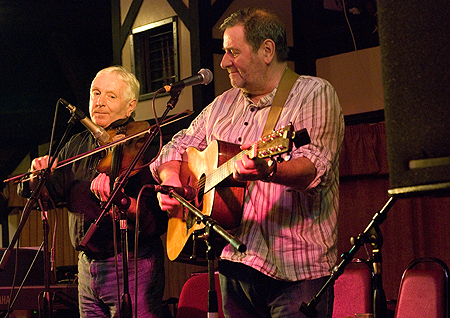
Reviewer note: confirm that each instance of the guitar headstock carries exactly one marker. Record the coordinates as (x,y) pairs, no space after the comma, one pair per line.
(274,144)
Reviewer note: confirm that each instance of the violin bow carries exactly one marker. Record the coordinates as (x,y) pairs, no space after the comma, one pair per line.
(68,161)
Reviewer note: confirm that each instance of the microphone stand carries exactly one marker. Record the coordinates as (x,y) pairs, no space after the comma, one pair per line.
(120,217)
(210,224)
(379,297)
(123,202)
(369,235)
(31,202)
(47,296)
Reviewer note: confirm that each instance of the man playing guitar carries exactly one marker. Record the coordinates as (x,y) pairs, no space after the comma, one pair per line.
(289,210)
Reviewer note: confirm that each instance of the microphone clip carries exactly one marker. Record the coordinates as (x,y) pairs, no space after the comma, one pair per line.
(77,113)
(186,191)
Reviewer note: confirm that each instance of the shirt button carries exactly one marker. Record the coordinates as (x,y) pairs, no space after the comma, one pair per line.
(246,123)
(239,139)
(252,109)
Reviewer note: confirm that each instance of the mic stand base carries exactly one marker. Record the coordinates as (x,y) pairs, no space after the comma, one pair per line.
(213,304)
(126,307)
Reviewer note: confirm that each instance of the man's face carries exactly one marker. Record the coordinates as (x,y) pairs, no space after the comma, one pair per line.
(108,101)
(245,67)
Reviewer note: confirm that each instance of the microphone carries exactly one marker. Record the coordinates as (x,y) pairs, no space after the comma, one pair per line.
(98,132)
(204,76)
(186,191)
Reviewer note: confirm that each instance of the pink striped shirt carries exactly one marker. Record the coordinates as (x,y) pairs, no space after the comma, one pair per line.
(290,234)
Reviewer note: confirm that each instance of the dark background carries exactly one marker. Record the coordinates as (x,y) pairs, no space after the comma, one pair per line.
(49,50)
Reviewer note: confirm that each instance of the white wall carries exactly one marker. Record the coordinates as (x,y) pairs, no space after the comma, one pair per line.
(356,76)
(152,11)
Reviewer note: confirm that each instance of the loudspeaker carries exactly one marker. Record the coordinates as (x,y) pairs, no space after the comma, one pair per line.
(415,59)
(25,256)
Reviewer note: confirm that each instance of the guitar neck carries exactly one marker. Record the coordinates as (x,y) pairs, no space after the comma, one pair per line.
(274,144)
(224,171)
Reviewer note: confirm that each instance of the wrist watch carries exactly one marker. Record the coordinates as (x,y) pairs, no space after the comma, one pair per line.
(271,175)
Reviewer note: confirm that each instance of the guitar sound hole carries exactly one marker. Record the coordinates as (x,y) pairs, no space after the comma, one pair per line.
(201,189)
(191,218)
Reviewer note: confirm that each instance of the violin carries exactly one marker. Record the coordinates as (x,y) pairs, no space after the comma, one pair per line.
(124,152)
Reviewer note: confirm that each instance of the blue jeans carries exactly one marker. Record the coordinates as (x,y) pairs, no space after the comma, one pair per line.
(248,293)
(97,286)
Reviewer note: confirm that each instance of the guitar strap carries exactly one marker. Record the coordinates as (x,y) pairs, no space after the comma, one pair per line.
(284,87)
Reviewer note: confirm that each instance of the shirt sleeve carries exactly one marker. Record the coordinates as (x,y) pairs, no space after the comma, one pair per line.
(321,114)
(193,136)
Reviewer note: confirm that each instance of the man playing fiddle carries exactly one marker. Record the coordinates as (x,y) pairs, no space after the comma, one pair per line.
(113,97)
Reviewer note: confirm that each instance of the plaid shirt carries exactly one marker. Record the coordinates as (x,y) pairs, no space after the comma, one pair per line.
(290,234)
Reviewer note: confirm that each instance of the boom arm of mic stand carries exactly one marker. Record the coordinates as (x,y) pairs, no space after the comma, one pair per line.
(310,309)
(210,224)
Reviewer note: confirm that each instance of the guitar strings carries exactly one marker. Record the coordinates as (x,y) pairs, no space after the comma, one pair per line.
(225,170)
(219,174)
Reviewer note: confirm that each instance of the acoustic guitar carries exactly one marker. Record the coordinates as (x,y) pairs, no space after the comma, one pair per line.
(218,194)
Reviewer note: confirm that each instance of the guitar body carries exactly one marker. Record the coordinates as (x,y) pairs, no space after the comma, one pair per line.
(218,194)
(222,202)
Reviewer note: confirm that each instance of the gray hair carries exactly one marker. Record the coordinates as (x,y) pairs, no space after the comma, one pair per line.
(133,87)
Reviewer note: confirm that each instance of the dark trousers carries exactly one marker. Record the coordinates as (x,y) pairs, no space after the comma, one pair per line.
(248,293)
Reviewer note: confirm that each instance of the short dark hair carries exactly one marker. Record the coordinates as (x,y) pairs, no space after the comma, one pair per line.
(259,25)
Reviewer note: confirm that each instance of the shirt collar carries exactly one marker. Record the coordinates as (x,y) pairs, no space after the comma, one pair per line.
(264,101)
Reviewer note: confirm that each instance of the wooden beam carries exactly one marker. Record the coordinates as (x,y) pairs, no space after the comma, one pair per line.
(218,8)
(201,50)
(182,11)
(200,29)
(121,32)
(129,20)
(200,18)
(115,28)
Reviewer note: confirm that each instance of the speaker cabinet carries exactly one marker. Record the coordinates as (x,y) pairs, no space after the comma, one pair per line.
(415,59)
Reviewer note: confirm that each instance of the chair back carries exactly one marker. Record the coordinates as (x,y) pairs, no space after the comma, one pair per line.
(193,301)
(353,292)
(423,290)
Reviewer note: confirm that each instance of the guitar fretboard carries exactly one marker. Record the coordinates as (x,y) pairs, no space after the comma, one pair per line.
(224,171)
(276,143)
